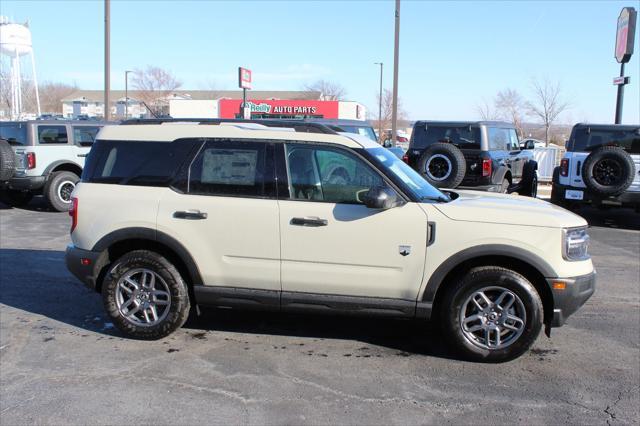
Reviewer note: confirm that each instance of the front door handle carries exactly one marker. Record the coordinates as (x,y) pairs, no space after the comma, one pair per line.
(190,214)
(309,221)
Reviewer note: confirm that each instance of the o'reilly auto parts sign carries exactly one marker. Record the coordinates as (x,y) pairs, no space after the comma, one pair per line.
(625,36)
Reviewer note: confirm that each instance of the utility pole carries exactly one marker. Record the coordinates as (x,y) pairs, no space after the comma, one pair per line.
(126,94)
(107,59)
(380,103)
(396,47)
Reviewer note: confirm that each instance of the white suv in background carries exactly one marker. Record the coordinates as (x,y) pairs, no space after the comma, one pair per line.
(172,215)
(49,158)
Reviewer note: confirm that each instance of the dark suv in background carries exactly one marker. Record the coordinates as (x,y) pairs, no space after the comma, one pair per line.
(480,155)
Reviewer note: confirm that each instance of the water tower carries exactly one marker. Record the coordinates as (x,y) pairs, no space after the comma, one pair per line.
(15,44)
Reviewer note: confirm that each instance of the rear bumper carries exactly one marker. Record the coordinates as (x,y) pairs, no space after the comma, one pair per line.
(624,199)
(85,264)
(577,291)
(27,183)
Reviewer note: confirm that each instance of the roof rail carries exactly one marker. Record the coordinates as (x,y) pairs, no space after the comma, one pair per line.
(297,125)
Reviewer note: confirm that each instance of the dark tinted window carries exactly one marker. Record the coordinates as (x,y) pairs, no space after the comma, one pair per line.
(52,134)
(85,135)
(14,133)
(232,168)
(359,130)
(135,163)
(466,137)
(585,140)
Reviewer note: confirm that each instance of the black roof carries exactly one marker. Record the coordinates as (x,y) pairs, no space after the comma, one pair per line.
(608,126)
(463,123)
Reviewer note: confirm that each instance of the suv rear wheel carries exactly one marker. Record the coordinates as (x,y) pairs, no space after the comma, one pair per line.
(491,314)
(58,190)
(145,295)
(609,170)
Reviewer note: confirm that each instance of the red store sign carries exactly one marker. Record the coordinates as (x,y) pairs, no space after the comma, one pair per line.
(228,108)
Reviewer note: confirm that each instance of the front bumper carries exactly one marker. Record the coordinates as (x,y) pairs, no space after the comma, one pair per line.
(27,183)
(624,199)
(576,292)
(85,264)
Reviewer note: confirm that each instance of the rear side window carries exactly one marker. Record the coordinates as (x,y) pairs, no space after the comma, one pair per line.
(52,134)
(14,133)
(585,139)
(466,137)
(499,139)
(136,163)
(85,135)
(232,168)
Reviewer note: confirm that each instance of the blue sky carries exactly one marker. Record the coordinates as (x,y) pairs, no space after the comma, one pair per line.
(453,55)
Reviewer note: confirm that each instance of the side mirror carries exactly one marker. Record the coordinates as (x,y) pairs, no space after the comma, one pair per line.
(382,197)
(529,145)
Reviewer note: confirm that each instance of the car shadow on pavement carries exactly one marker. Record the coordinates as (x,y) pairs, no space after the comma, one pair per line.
(37,281)
(37,204)
(616,218)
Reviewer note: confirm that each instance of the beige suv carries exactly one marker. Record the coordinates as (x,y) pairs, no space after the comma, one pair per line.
(172,215)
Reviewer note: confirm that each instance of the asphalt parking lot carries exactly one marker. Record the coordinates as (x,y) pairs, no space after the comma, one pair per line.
(61,360)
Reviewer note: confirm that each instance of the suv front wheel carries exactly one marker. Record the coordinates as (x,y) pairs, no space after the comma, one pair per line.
(491,314)
(145,295)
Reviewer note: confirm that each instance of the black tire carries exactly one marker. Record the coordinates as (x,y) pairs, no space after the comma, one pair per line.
(529,182)
(7,161)
(442,165)
(58,189)
(491,280)
(557,194)
(15,198)
(178,307)
(608,170)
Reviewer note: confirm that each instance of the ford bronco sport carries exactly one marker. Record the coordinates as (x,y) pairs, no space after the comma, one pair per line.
(483,155)
(170,216)
(601,167)
(49,156)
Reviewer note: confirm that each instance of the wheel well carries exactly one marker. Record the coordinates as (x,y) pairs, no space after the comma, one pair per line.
(529,272)
(68,167)
(508,177)
(120,248)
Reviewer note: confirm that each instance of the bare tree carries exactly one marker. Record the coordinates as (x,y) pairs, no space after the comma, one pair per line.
(486,111)
(387,111)
(510,106)
(51,95)
(154,85)
(547,104)
(331,91)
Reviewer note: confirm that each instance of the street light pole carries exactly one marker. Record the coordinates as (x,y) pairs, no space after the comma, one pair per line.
(380,102)
(107,60)
(126,94)
(396,47)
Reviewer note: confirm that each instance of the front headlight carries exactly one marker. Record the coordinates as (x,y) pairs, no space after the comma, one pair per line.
(575,243)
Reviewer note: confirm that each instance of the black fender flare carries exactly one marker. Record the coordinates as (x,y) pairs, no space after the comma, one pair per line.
(438,276)
(57,163)
(500,174)
(140,233)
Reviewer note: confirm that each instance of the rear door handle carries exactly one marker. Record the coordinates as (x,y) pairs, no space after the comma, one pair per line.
(309,221)
(190,214)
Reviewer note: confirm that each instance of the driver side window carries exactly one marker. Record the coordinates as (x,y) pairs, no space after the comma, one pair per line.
(329,175)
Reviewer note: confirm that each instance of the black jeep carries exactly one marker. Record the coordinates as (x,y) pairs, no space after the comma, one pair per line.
(480,155)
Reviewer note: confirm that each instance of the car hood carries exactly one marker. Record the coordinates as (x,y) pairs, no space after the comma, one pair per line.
(486,207)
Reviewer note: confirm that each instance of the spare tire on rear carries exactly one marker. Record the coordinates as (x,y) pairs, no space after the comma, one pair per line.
(608,170)
(7,160)
(442,165)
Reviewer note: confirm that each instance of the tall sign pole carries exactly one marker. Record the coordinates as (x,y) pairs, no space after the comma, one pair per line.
(625,38)
(107,59)
(380,102)
(396,47)
(244,82)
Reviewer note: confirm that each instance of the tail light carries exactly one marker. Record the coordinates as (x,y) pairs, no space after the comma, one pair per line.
(31,160)
(564,167)
(73,212)
(486,167)
(401,139)
(405,158)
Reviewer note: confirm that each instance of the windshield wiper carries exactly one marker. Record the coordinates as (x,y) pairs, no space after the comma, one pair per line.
(440,199)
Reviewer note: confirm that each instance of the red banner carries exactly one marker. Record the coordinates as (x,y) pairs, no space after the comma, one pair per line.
(229,108)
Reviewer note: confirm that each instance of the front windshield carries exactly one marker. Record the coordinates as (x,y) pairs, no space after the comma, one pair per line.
(420,188)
